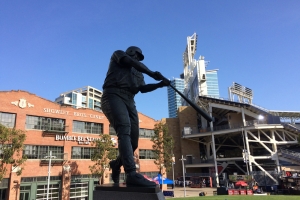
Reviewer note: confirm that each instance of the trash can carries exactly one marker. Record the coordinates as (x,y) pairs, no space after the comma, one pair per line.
(168,193)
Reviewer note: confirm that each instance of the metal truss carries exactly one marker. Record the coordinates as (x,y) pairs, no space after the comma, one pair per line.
(269,139)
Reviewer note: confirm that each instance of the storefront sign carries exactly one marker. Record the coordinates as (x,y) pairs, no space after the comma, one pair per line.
(79,139)
(77,114)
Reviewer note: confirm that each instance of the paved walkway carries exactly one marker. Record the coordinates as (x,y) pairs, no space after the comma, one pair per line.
(192,192)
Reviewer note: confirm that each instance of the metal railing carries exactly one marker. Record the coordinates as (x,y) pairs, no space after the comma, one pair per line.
(198,161)
(55,128)
(290,154)
(195,130)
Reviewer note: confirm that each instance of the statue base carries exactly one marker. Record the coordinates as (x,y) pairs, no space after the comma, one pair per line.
(123,192)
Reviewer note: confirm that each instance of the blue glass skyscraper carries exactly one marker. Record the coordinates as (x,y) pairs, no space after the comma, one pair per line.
(174,100)
(212,83)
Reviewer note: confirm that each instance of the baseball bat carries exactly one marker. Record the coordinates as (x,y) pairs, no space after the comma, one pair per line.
(196,107)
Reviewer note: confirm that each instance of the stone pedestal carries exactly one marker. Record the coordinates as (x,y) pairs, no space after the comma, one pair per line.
(123,192)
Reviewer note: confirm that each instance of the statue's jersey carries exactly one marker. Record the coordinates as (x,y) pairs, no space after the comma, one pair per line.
(121,76)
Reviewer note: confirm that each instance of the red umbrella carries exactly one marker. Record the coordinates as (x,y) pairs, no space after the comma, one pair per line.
(241,183)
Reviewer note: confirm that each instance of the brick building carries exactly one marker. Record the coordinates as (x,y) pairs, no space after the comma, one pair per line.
(68,133)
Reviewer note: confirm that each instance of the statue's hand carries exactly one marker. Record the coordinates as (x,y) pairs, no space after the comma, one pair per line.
(166,82)
(157,76)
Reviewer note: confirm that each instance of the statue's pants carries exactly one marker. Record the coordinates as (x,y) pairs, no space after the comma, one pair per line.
(120,110)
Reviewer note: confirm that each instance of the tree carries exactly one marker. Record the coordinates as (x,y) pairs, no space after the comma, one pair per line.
(103,153)
(11,145)
(163,145)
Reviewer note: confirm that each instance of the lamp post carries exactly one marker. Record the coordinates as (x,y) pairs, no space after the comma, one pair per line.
(173,163)
(183,159)
(49,172)
(161,176)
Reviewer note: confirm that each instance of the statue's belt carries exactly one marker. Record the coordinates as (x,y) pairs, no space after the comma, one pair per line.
(119,90)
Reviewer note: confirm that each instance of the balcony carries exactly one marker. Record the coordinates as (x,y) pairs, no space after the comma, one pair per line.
(196,162)
(56,159)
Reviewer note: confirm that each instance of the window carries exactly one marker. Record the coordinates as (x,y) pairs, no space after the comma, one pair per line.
(2,194)
(79,191)
(7,119)
(146,133)
(4,183)
(87,127)
(39,152)
(112,131)
(45,123)
(82,152)
(3,148)
(41,192)
(146,154)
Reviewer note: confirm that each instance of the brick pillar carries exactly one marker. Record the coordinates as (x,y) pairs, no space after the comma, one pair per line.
(66,181)
(14,186)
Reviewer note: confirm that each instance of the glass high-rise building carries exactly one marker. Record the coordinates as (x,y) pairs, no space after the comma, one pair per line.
(174,100)
(85,97)
(212,83)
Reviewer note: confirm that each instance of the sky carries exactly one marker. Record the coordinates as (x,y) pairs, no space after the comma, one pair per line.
(50,47)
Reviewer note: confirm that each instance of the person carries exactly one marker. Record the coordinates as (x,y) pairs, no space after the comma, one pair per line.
(124,79)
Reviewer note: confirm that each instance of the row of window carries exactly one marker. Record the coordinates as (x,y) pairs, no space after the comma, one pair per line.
(41,152)
(56,124)
(122,176)
(144,133)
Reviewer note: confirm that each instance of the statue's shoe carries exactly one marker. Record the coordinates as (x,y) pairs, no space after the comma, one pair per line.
(115,175)
(136,179)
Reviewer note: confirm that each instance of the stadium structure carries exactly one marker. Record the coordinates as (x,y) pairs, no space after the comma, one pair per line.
(244,141)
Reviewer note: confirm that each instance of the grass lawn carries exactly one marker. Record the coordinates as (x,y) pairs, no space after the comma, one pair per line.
(252,197)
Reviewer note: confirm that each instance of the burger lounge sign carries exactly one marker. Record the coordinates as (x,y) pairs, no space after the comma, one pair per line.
(80,139)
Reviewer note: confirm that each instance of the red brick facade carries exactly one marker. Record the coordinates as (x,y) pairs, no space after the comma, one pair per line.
(25,104)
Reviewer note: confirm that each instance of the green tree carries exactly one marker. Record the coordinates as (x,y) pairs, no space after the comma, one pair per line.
(103,153)
(11,145)
(163,145)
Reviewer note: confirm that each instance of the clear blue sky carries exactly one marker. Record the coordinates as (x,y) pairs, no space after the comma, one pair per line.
(49,47)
